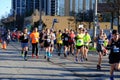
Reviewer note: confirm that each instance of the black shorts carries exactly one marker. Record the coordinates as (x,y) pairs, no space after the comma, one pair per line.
(114,58)
(79,47)
(99,48)
(59,44)
(85,46)
(70,43)
(41,41)
(46,44)
(66,44)
(52,45)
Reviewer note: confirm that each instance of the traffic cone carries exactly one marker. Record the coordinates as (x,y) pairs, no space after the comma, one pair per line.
(4,45)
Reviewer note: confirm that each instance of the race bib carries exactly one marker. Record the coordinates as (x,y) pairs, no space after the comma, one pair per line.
(25,37)
(116,50)
(48,40)
(8,37)
(66,38)
(100,41)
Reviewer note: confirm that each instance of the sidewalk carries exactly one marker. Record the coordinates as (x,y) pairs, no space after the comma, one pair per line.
(13,66)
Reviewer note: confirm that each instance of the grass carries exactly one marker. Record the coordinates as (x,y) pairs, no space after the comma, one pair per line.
(91,48)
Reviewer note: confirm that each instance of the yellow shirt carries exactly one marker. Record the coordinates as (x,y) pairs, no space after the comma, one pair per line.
(59,39)
(35,37)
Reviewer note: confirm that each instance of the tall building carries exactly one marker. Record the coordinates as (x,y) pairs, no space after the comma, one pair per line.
(25,6)
(53,7)
(67,7)
(73,5)
(61,7)
(19,6)
(49,7)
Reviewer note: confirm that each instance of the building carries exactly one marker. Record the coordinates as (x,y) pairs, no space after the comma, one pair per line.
(79,5)
(26,7)
(19,6)
(67,7)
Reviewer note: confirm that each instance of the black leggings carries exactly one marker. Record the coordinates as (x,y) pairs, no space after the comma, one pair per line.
(35,47)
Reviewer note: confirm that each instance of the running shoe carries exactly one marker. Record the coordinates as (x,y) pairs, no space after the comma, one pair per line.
(48,59)
(72,54)
(58,54)
(25,58)
(98,67)
(45,57)
(37,57)
(68,53)
(111,78)
(86,59)
(32,55)
(76,59)
(81,59)
(65,55)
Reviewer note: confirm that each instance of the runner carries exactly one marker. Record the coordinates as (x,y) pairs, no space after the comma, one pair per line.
(8,37)
(59,42)
(87,40)
(100,47)
(79,45)
(114,56)
(41,41)
(35,39)
(24,38)
(71,41)
(65,38)
(47,44)
(53,37)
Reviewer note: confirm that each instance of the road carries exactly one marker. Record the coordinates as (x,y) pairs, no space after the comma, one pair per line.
(13,67)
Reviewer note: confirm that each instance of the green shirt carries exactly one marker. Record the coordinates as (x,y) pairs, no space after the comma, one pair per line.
(86,39)
(79,41)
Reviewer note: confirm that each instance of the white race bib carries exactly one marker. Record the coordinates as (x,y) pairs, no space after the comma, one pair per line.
(66,38)
(48,40)
(116,50)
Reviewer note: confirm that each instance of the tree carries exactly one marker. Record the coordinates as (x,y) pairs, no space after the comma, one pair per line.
(116,6)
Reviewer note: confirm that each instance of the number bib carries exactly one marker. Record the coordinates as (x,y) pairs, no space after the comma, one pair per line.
(100,41)
(48,40)
(66,38)
(25,37)
(116,50)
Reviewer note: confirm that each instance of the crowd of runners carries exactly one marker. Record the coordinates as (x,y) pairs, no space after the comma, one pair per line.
(69,42)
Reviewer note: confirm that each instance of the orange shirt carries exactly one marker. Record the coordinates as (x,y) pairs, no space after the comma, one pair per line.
(35,37)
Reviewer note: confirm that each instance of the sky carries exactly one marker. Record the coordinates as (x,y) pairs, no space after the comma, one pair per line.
(5,6)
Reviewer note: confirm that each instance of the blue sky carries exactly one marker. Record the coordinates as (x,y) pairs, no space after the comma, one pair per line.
(5,6)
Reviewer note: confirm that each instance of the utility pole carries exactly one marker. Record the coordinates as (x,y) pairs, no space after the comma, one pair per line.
(95,21)
(40,14)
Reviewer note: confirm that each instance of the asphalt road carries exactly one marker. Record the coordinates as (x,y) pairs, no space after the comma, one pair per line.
(13,66)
